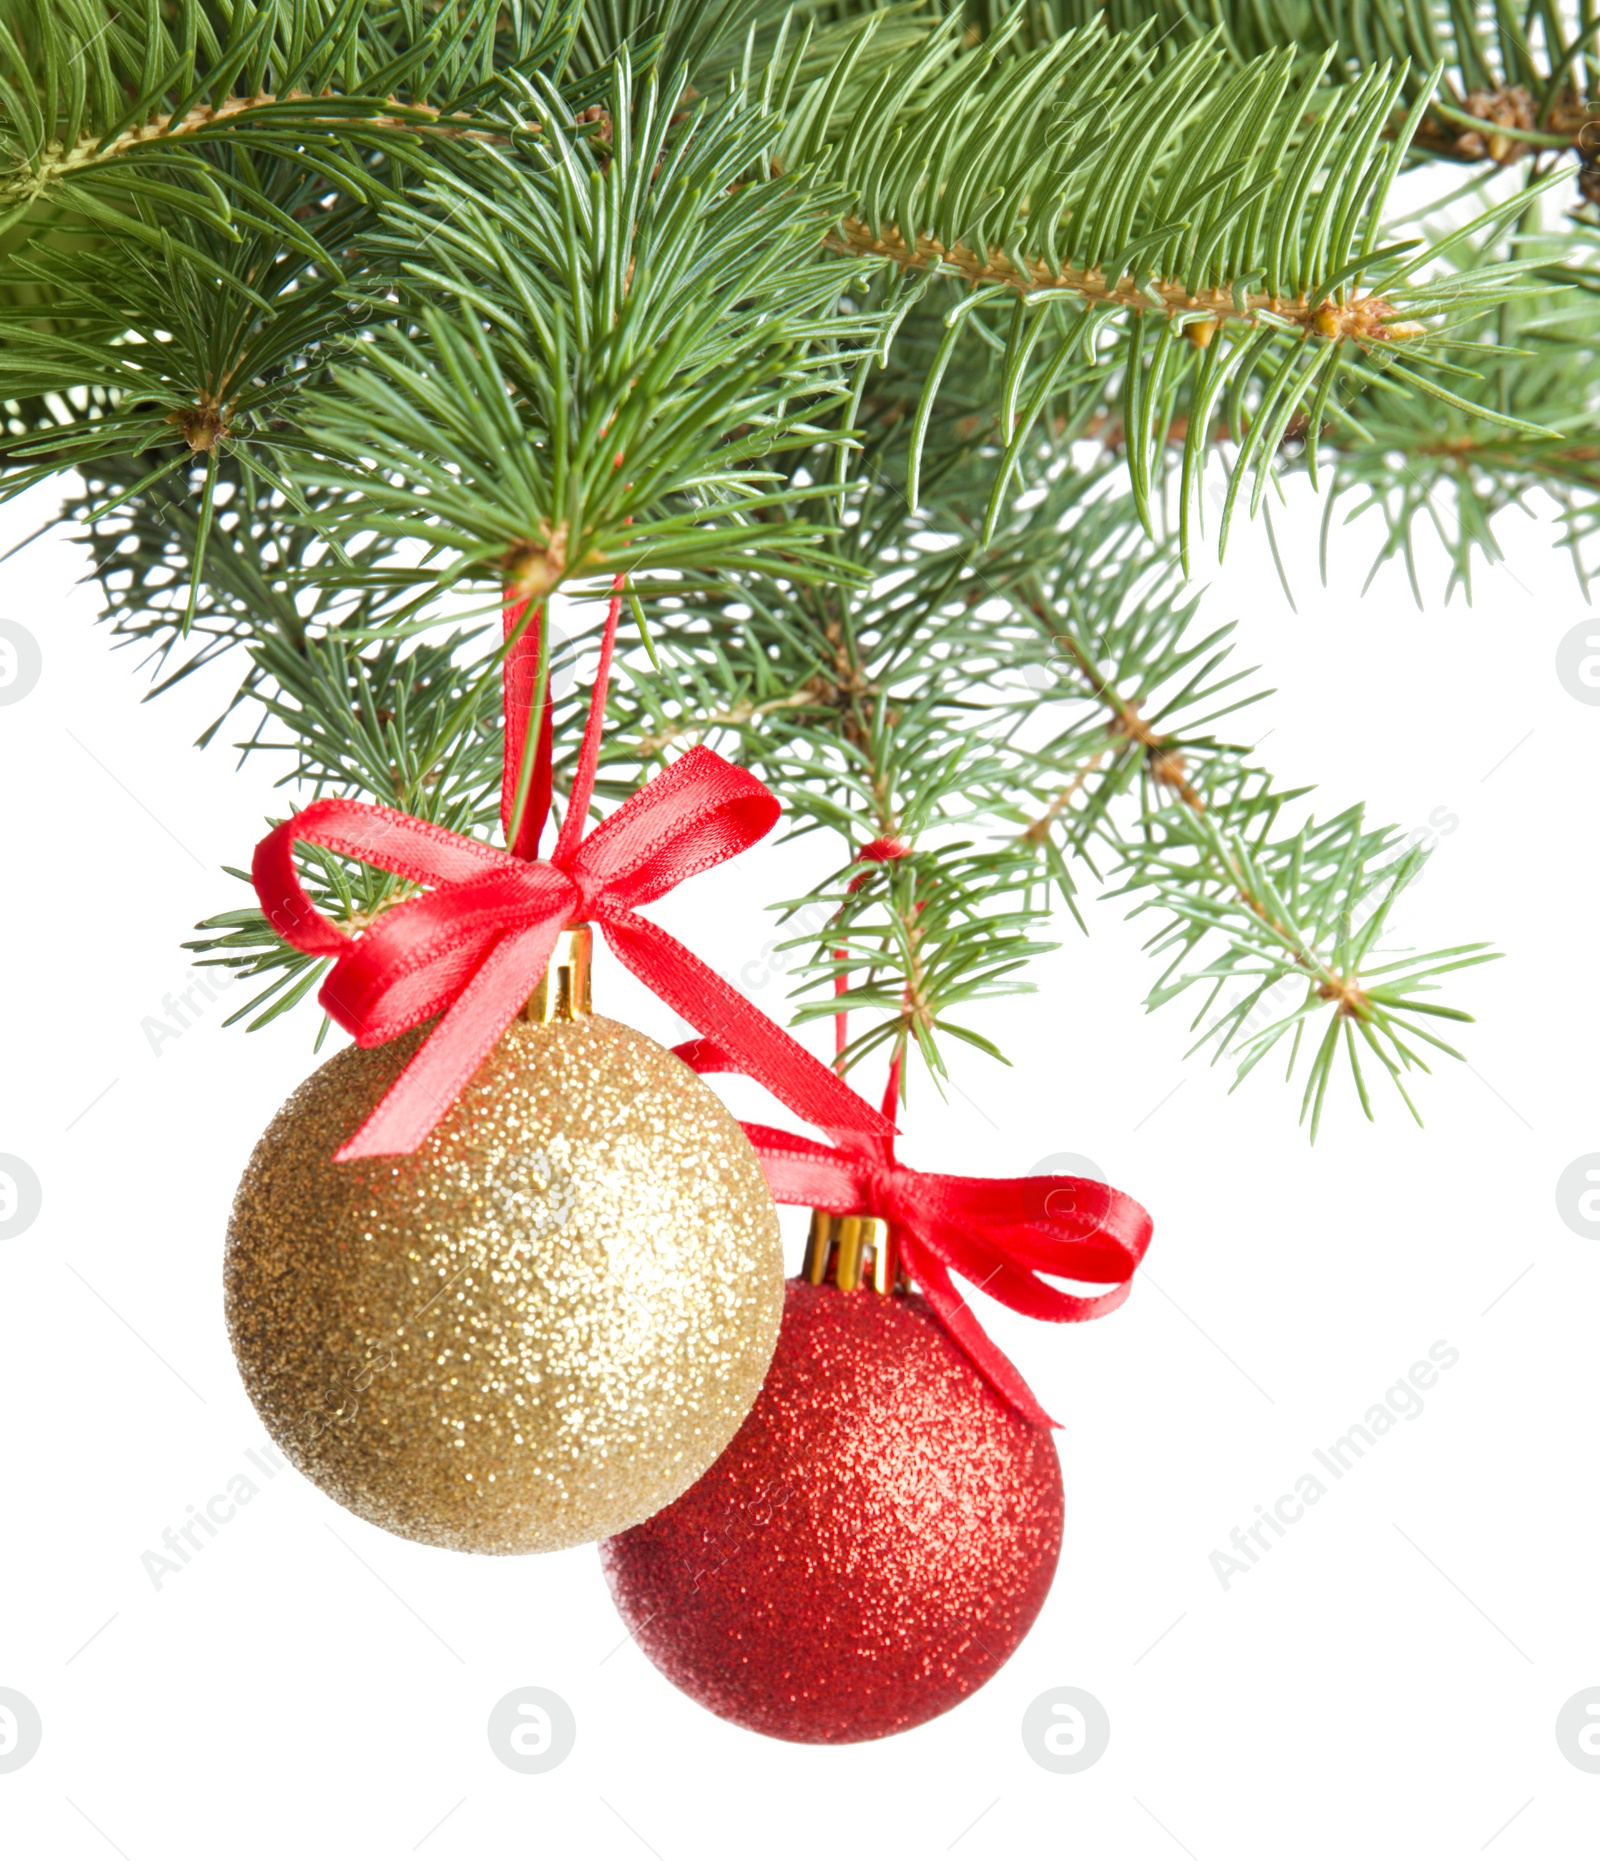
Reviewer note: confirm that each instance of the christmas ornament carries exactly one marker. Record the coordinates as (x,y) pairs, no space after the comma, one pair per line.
(510,1284)
(538,1327)
(884,1527)
(872,1546)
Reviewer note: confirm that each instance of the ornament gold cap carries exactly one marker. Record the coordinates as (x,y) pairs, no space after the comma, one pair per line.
(859,1249)
(562,993)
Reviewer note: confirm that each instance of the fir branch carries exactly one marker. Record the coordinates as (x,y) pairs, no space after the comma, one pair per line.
(1501,84)
(1284,929)
(1082,731)
(1441,464)
(913,940)
(1277,932)
(97,103)
(1191,228)
(1088,169)
(804,353)
(609,340)
(174,352)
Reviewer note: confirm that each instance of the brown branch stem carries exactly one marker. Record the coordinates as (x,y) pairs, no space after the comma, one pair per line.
(1366,320)
(1167,768)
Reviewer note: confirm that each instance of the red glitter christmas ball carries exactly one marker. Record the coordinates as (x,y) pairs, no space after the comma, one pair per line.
(871,1547)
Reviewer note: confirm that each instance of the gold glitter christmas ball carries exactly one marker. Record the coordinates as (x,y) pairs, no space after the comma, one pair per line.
(535,1331)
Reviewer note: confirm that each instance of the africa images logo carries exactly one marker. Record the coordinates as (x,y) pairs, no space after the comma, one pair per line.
(1402,1402)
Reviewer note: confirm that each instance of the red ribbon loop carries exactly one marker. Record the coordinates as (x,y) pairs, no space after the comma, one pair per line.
(473,948)
(999,1235)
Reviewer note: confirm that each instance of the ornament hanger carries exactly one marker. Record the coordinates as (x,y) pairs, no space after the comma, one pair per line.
(472,949)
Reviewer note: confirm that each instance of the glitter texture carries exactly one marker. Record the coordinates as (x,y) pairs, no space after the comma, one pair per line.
(871,1548)
(539,1328)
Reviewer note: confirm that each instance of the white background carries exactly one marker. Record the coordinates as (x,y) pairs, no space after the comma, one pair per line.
(1387,1679)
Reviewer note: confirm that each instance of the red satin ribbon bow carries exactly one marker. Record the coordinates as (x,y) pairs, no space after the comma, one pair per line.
(1001,1235)
(474,947)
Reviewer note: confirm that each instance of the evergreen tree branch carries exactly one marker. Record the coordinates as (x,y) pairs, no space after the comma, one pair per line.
(804,353)
(100,106)
(1194,230)
(1501,84)
(1276,932)
(605,347)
